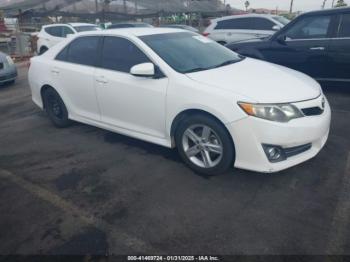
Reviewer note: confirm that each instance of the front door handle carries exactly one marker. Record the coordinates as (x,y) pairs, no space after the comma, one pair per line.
(319,48)
(101,80)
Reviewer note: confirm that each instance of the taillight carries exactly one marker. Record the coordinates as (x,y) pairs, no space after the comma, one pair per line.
(206,34)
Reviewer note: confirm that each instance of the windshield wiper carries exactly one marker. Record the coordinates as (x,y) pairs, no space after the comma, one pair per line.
(229,62)
(197,69)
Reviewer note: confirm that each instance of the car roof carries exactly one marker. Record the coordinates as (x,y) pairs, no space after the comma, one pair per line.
(328,11)
(243,16)
(81,24)
(130,23)
(135,31)
(71,24)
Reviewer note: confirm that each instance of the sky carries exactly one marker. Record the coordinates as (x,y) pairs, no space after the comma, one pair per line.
(299,5)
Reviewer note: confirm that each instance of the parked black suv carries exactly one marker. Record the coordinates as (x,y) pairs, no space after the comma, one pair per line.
(316,43)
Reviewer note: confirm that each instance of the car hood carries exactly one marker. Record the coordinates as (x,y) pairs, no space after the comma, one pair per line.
(260,82)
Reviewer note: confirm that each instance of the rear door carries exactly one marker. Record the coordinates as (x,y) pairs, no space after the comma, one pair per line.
(339,69)
(306,47)
(73,76)
(55,35)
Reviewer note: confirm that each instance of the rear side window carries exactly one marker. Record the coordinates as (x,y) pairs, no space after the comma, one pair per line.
(54,31)
(83,51)
(238,23)
(310,27)
(120,54)
(344,29)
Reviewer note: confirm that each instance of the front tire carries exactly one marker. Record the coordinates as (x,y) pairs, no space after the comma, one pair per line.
(56,108)
(205,145)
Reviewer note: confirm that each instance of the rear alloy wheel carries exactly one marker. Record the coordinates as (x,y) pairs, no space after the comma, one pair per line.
(56,108)
(205,145)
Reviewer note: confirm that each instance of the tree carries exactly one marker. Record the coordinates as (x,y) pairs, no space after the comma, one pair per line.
(341,3)
(246,4)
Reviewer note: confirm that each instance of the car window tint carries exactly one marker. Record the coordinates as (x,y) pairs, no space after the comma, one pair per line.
(238,23)
(54,31)
(261,24)
(67,31)
(310,27)
(120,54)
(84,51)
(344,30)
(63,55)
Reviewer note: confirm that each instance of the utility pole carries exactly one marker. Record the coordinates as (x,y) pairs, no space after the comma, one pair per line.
(291,6)
(125,8)
(324,4)
(96,6)
(333,3)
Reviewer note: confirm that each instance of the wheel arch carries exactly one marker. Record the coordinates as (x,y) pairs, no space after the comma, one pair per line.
(188,112)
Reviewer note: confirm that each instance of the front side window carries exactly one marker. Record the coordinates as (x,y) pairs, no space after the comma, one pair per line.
(238,23)
(83,51)
(257,23)
(281,19)
(310,27)
(344,30)
(120,54)
(67,31)
(86,28)
(189,52)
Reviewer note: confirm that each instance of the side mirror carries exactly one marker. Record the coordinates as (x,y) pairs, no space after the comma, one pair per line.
(69,35)
(276,28)
(281,39)
(145,70)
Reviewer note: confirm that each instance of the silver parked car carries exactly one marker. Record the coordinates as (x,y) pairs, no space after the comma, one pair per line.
(8,70)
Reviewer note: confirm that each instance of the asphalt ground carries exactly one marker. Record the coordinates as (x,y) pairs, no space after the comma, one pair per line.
(83,190)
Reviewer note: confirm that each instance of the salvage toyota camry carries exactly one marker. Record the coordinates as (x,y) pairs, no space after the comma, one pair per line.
(178,89)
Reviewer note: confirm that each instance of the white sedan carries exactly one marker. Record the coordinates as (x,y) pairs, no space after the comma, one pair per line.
(178,89)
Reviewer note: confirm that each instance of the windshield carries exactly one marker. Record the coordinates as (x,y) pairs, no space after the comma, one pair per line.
(85,28)
(188,52)
(281,19)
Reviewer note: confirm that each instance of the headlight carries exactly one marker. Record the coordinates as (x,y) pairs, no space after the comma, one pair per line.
(9,60)
(273,112)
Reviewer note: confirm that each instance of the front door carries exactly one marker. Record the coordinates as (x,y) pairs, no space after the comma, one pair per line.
(305,46)
(127,101)
(340,51)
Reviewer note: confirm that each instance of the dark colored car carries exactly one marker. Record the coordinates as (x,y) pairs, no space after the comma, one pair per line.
(128,25)
(8,70)
(185,27)
(315,43)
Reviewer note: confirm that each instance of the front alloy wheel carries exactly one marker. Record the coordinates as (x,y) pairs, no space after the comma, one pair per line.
(205,145)
(202,146)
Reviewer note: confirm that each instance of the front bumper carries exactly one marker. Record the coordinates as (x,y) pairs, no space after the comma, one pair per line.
(8,75)
(250,133)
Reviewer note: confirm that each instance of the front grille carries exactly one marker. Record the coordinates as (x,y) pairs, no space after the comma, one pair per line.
(293,151)
(312,111)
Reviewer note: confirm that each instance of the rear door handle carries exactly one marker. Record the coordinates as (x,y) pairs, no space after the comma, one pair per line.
(101,79)
(55,71)
(320,48)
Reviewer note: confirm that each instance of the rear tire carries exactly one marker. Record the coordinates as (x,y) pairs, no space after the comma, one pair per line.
(56,109)
(205,145)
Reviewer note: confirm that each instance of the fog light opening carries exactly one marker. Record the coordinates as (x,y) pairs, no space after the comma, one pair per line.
(274,153)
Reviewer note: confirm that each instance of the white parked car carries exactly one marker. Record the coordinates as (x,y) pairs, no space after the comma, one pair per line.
(179,89)
(50,35)
(236,28)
